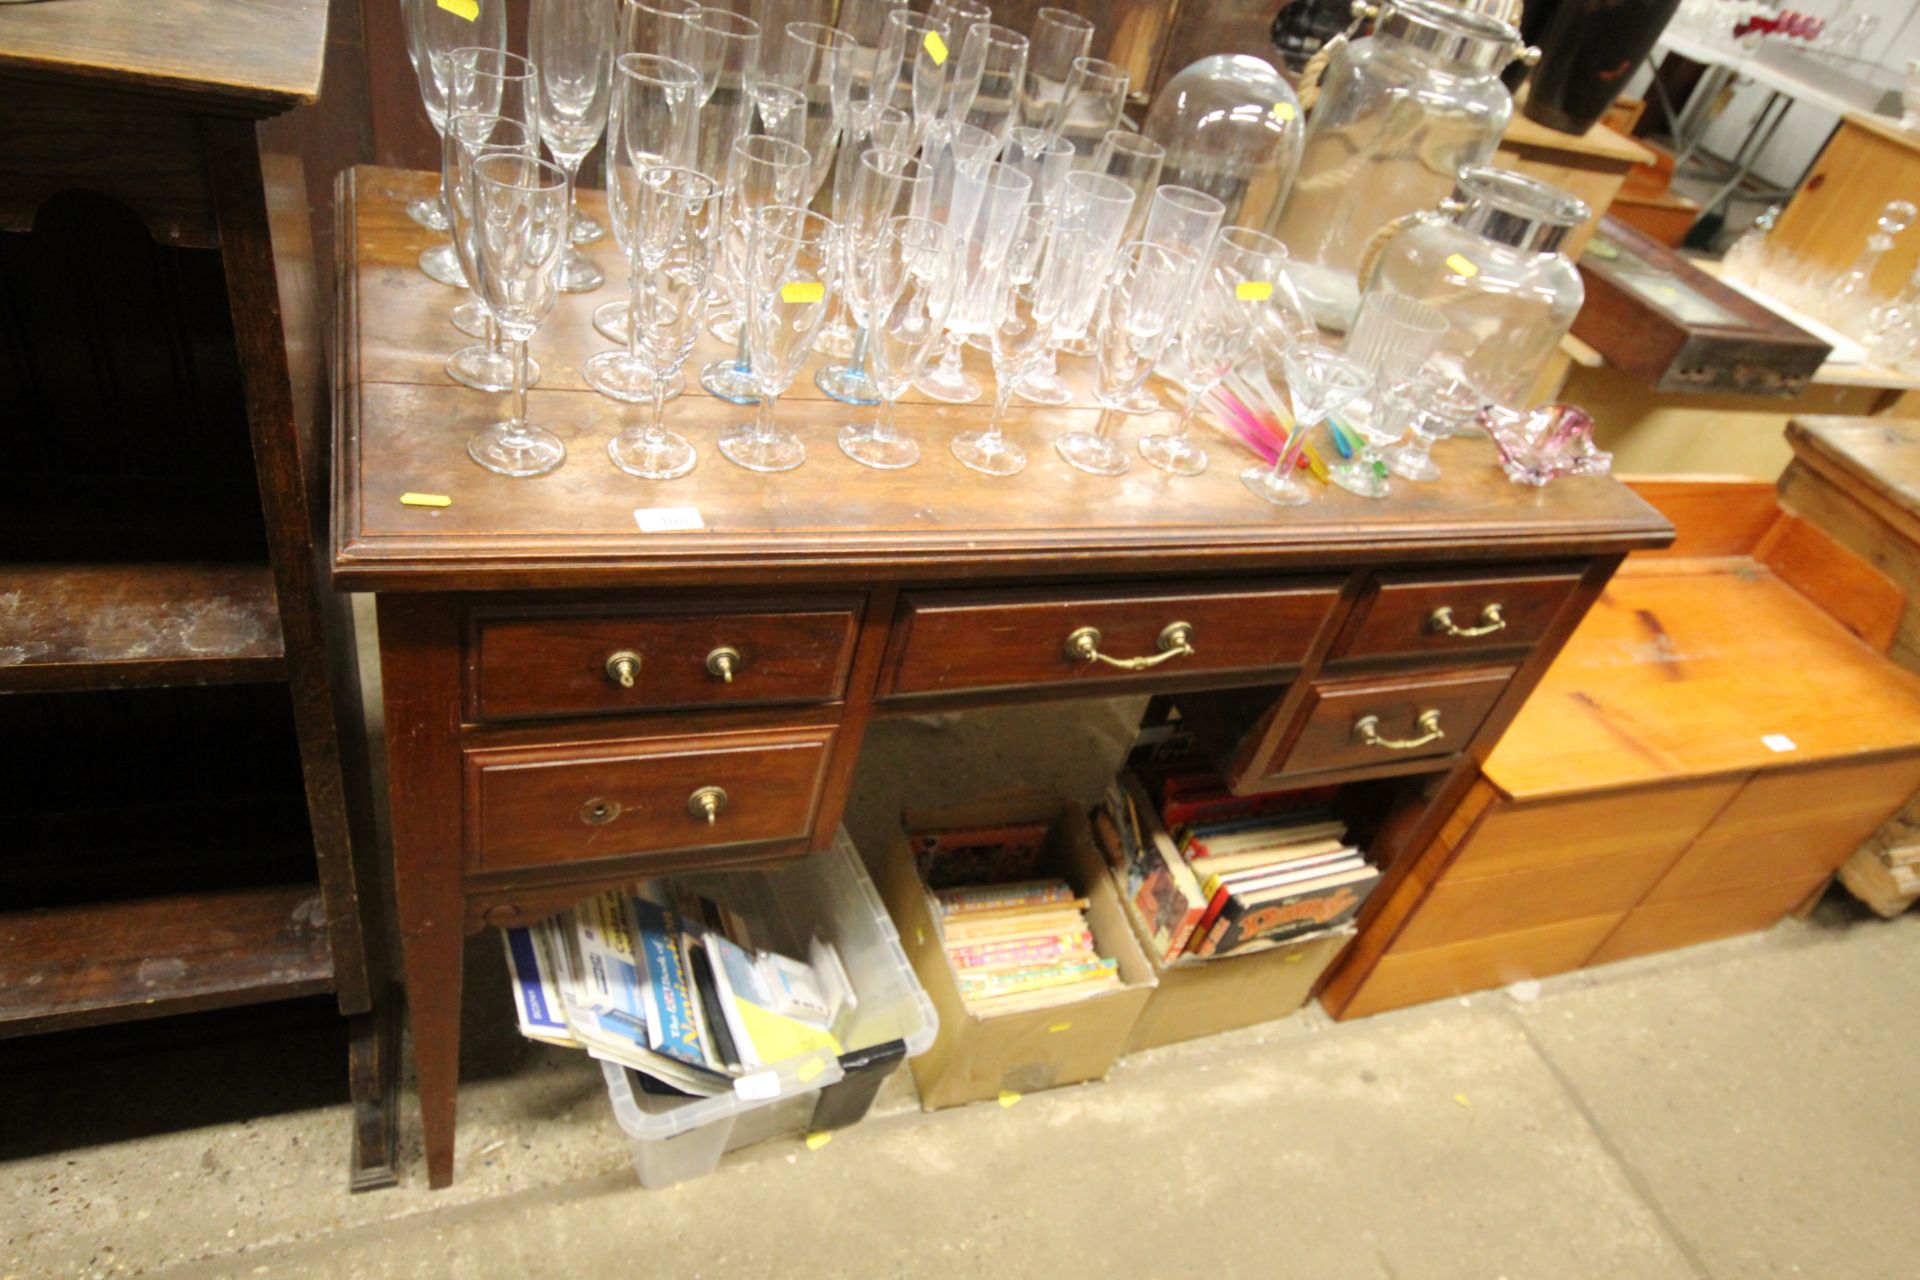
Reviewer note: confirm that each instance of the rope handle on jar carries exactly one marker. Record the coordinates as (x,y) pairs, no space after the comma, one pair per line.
(1308,91)
(1370,255)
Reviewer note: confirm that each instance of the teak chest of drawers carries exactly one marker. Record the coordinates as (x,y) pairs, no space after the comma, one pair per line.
(572,704)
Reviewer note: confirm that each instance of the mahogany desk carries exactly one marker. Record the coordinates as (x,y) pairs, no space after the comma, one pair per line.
(526,774)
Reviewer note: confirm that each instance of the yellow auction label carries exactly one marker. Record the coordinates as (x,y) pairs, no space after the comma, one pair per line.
(1283,111)
(936,47)
(1462,265)
(803,291)
(1253,290)
(425,500)
(468,9)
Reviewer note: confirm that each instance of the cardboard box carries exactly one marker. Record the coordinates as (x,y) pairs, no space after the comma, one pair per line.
(976,1057)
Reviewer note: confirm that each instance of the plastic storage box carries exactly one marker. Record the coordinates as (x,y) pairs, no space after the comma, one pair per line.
(674,1139)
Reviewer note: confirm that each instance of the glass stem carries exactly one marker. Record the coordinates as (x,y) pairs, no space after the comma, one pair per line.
(1106,418)
(519,424)
(859,361)
(1179,431)
(1002,396)
(1290,452)
(634,290)
(883,419)
(494,342)
(950,361)
(656,427)
(763,416)
(742,357)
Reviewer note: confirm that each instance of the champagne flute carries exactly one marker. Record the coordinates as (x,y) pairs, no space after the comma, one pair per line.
(818,61)
(1090,105)
(916,48)
(909,284)
(1028,296)
(675,237)
(726,49)
(572,42)
(520,227)
(1186,221)
(1320,381)
(665,28)
(887,182)
(871,126)
(1136,160)
(1138,308)
(484,366)
(788,272)
(486,82)
(966,187)
(1093,213)
(1057,38)
(433,34)
(762,172)
(993,63)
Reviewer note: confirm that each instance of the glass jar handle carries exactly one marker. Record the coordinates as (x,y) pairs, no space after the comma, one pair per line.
(1370,256)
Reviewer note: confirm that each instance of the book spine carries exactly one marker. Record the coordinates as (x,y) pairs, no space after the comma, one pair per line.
(1022,954)
(1038,979)
(974,902)
(1208,918)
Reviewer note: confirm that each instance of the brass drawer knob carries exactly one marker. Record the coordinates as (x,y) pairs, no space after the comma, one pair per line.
(623,668)
(1491,620)
(1176,641)
(723,662)
(708,803)
(1367,731)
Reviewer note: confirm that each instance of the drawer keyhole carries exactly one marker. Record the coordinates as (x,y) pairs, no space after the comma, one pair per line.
(599,811)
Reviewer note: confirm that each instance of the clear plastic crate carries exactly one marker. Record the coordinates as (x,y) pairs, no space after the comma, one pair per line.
(675,1139)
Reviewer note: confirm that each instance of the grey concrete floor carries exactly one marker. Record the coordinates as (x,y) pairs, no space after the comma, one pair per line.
(1738,1110)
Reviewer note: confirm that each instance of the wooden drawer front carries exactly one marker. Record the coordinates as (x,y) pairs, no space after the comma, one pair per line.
(1395,616)
(1683,922)
(1551,833)
(1329,736)
(1865,792)
(948,641)
(557,664)
(1400,980)
(1724,863)
(532,806)
(1462,910)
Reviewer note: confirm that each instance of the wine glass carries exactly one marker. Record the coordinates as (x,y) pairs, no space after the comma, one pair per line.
(572,43)
(979,199)
(788,273)
(871,126)
(1028,297)
(484,366)
(885,183)
(726,50)
(1320,381)
(762,173)
(650,124)
(1219,323)
(1093,212)
(520,226)
(433,34)
(1090,105)
(818,61)
(1057,38)
(488,82)
(909,283)
(1138,309)
(675,237)
(993,61)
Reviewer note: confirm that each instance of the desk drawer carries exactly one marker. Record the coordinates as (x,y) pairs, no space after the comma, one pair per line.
(1456,615)
(565,663)
(534,806)
(1350,724)
(951,641)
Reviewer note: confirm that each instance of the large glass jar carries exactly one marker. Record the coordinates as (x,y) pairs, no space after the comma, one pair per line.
(1400,113)
(1491,263)
(1232,128)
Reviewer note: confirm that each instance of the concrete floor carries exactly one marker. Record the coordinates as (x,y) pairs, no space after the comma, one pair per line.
(1738,1110)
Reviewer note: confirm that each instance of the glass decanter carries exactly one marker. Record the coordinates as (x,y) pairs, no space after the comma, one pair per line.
(1849,303)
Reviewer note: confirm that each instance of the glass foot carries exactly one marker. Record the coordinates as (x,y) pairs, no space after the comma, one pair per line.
(1044,388)
(442,266)
(724,327)
(777,451)
(883,451)
(585,228)
(516,449)
(1141,401)
(1093,454)
(651,455)
(620,376)
(730,380)
(1175,454)
(428,213)
(835,339)
(1365,477)
(470,318)
(577,273)
(1080,346)
(1281,490)
(952,385)
(846,384)
(486,370)
(610,320)
(989,453)
(1411,464)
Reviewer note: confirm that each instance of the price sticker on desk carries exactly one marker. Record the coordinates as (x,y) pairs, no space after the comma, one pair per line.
(468,9)
(801,291)
(936,48)
(668,519)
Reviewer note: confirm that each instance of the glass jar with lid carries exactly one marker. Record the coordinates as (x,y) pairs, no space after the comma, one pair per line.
(1490,262)
(1399,114)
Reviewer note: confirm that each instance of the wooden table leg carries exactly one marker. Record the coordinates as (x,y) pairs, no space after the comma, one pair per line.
(373,1081)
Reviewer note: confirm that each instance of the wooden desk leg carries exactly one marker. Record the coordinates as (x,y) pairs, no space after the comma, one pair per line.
(373,1080)
(420,673)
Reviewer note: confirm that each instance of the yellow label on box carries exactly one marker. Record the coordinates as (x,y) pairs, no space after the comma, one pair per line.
(809,1069)
(1061,1026)
(1461,264)
(803,291)
(1253,290)
(468,9)
(425,500)
(936,48)
(1283,111)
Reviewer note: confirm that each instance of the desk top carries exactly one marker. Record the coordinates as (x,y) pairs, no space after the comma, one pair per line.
(1877,456)
(401,427)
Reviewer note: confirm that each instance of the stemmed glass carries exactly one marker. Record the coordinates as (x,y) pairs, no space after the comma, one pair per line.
(1186,221)
(674,240)
(779,111)
(651,124)
(433,33)
(960,156)
(871,126)
(520,226)
(993,61)
(1093,214)
(909,271)
(762,172)
(667,28)
(883,183)
(1137,312)
(1136,160)
(1320,381)
(484,366)
(1448,403)
(485,82)
(952,80)
(726,50)
(1057,38)
(572,43)
(789,271)
(817,61)
(1090,105)
(908,49)
(1028,295)
(1220,320)
(1402,385)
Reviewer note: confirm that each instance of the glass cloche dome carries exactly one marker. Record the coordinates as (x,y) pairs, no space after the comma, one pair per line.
(1232,127)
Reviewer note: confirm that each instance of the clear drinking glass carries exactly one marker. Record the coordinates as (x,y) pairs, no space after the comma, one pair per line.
(1186,221)
(667,28)
(1028,300)
(1141,303)
(1093,214)
(1219,324)
(909,45)
(1448,403)
(1090,105)
(487,82)
(871,126)
(484,366)
(650,125)
(433,34)
(987,199)
(789,271)
(778,112)
(675,237)
(887,183)
(1402,385)
(1135,161)
(1391,322)
(520,227)
(818,61)
(572,42)
(908,285)
(1057,38)
(993,63)
(761,173)
(1320,381)
(949,152)
(726,49)
(1045,158)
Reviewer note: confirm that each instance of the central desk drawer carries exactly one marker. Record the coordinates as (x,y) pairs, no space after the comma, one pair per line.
(1350,724)
(952,641)
(1452,615)
(534,806)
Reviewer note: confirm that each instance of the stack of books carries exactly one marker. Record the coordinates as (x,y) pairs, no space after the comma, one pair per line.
(1021,946)
(674,987)
(1219,873)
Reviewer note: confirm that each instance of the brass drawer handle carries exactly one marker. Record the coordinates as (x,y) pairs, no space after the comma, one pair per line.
(1367,730)
(723,662)
(1491,620)
(623,668)
(708,803)
(1176,641)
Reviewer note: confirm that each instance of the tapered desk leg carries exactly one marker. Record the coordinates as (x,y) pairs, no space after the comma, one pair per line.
(431,934)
